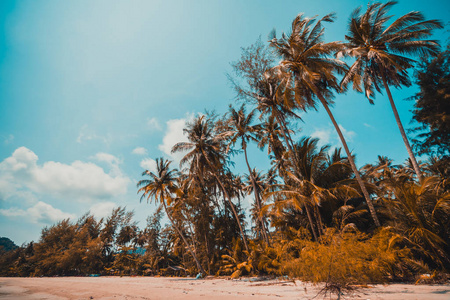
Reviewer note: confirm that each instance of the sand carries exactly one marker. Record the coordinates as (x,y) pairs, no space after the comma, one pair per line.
(109,288)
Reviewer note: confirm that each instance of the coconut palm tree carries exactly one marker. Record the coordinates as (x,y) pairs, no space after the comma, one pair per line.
(420,213)
(161,187)
(383,53)
(312,181)
(256,183)
(238,127)
(206,156)
(307,63)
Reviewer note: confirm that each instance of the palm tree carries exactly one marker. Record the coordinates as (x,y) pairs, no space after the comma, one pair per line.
(206,155)
(306,60)
(313,181)
(420,214)
(263,88)
(256,183)
(382,53)
(161,186)
(238,127)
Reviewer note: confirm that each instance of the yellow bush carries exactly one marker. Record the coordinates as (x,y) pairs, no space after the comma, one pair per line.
(353,258)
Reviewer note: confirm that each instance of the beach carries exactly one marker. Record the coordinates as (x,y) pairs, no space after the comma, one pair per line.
(108,288)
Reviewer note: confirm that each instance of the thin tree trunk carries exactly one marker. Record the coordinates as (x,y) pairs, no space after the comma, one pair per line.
(225,193)
(257,198)
(286,138)
(311,223)
(350,159)
(199,266)
(402,132)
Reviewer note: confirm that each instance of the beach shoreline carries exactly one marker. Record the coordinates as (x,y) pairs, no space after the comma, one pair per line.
(107,288)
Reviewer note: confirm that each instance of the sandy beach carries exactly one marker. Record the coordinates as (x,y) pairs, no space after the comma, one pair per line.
(108,288)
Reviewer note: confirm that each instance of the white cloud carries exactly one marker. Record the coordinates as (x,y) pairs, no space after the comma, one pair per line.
(174,134)
(79,181)
(112,161)
(348,134)
(9,139)
(103,209)
(368,125)
(148,164)
(39,213)
(324,136)
(139,151)
(153,124)
(329,136)
(87,134)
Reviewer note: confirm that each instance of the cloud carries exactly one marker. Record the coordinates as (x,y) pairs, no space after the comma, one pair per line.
(79,181)
(174,134)
(39,213)
(112,161)
(103,209)
(139,151)
(324,136)
(106,157)
(368,125)
(153,124)
(8,140)
(148,164)
(348,134)
(87,134)
(329,136)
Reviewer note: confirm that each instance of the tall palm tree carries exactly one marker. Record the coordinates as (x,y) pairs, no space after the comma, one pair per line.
(238,127)
(306,60)
(162,186)
(383,53)
(206,155)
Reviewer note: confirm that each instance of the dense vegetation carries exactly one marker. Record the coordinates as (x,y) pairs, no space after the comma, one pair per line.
(314,214)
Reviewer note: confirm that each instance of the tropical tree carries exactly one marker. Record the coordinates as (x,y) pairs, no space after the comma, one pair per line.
(267,91)
(313,182)
(256,183)
(161,187)
(206,156)
(238,127)
(307,64)
(432,106)
(420,214)
(383,53)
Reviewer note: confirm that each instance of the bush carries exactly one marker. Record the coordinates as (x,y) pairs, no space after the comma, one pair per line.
(353,258)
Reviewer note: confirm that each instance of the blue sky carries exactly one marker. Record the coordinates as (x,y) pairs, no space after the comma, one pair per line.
(92,91)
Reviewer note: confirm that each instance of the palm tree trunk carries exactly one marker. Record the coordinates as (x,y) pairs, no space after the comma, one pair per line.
(402,132)
(286,138)
(225,193)
(199,266)
(289,143)
(257,198)
(311,223)
(350,158)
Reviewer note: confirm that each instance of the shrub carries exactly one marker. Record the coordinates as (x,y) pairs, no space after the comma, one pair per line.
(353,258)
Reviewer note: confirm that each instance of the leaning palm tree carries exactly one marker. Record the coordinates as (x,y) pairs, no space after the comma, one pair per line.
(162,186)
(307,63)
(206,157)
(383,53)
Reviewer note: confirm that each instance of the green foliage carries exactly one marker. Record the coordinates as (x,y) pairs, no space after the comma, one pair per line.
(432,106)
(7,245)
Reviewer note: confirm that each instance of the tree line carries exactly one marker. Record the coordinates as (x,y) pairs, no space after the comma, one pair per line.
(314,214)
